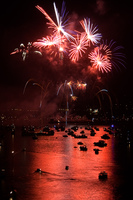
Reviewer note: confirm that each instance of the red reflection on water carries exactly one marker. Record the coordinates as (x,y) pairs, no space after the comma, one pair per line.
(52,154)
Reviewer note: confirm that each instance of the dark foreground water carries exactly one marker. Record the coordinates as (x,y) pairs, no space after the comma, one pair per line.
(52,154)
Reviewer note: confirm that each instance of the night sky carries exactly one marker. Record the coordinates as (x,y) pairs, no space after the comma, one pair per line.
(21,22)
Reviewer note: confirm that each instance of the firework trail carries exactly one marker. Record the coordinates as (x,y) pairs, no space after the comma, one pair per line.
(70,86)
(65,84)
(109,97)
(39,85)
(44,91)
(27,84)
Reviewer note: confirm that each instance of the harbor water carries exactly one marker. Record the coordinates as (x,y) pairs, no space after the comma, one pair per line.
(21,156)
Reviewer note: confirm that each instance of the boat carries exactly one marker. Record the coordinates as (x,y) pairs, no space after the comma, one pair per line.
(75,128)
(51,132)
(93,133)
(82,132)
(96,151)
(88,128)
(46,129)
(62,128)
(70,132)
(100,143)
(105,136)
(96,128)
(80,136)
(80,143)
(65,135)
(46,133)
(83,148)
(103,175)
(105,129)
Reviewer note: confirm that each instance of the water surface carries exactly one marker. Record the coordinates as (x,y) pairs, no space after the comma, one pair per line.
(52,154)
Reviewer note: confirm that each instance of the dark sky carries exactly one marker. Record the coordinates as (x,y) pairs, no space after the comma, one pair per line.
(21,22)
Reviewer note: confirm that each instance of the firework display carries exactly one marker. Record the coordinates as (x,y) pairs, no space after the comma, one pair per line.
(101,56)
(73,51)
